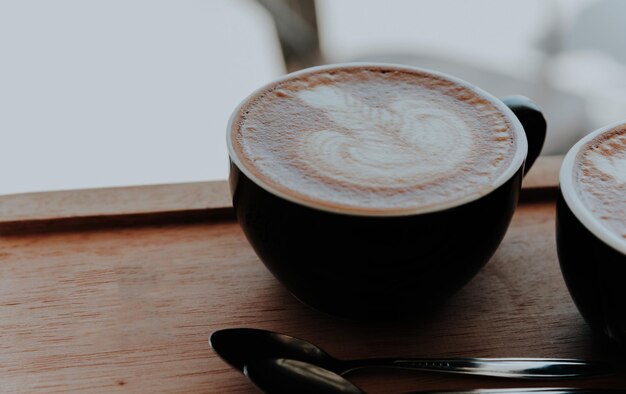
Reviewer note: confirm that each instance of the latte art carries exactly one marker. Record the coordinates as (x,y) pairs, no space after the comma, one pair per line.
(612,167)
(373,140)
(383,147)
(600,178)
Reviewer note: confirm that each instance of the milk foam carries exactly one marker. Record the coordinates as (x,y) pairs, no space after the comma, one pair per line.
(600,176)
(371,140)
(383,147)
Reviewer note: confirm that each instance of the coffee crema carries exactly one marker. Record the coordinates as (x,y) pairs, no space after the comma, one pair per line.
(373,139)
(600,179)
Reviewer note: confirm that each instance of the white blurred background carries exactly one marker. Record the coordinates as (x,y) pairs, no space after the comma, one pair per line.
(131,92)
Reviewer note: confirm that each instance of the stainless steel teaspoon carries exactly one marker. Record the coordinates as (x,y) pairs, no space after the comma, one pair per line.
(240,346)
(278,376)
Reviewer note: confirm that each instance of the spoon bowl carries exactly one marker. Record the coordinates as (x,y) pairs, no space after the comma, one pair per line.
(293,376)
(239,346)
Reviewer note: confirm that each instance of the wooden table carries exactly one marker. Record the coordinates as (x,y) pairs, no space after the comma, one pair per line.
(117,290)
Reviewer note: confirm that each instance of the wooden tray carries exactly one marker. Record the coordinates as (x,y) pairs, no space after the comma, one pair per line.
(118,289)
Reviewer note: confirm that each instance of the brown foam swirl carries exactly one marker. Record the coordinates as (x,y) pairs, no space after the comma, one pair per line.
(600,179)
(372,139)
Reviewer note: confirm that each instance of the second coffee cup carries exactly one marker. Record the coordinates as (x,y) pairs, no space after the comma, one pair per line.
(591,229)
(375,190)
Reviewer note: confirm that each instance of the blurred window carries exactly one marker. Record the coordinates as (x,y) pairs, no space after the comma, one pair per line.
(125,92)
(113,93)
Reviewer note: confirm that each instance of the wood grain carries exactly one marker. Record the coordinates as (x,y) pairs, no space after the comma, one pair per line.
(130,310)
(137,201)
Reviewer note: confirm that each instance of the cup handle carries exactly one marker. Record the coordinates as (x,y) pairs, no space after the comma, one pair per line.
(534,123)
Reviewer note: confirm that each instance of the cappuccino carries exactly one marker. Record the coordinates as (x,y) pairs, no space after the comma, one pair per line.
(373,140)
(600,179)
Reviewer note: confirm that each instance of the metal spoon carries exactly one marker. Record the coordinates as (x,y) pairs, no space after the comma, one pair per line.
(278,376)
(240,346)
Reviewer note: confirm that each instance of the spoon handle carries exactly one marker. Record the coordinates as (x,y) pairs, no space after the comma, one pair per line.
(550,390)
(520,368)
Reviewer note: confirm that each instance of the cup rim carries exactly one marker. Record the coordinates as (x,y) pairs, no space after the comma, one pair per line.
(571,197)
(516,163)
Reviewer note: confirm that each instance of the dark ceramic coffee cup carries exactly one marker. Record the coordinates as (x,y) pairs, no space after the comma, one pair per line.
(592,257)
(379,267)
